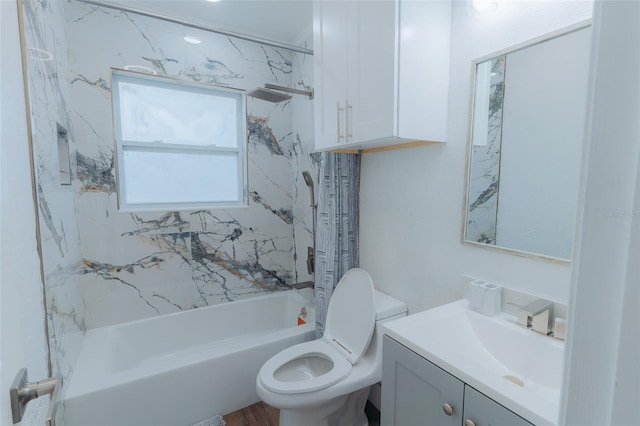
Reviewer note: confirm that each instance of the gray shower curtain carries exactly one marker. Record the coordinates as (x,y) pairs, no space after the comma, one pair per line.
(337,233)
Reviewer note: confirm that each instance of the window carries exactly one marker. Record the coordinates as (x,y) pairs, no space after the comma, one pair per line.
(179,145)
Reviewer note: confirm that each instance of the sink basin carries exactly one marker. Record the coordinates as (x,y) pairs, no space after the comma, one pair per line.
(534,358)
(516,367)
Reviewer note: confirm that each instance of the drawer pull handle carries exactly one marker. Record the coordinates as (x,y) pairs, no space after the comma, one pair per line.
(469,423)
(448,409)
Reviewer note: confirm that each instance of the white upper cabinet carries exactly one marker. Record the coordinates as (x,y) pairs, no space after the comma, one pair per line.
(381,72)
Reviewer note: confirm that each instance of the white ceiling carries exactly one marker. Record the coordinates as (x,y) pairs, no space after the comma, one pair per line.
(284,21)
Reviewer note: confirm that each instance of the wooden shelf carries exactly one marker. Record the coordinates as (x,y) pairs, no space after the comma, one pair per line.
(366,148)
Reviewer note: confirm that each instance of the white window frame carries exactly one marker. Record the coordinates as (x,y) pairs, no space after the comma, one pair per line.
(158,146)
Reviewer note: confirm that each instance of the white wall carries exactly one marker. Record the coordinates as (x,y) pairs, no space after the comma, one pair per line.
(602,380)
(411,200)
(545,106)
(625,409)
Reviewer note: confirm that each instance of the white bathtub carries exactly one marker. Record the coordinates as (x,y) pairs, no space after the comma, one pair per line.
(182,368)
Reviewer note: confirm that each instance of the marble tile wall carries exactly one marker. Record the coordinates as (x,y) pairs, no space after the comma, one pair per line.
(145,264)
(104,266)
(47,70)
(303,160)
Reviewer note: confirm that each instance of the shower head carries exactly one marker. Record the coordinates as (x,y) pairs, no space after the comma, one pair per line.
(311,250)
(307,179)
(268,95)
(309,182)
(271,93)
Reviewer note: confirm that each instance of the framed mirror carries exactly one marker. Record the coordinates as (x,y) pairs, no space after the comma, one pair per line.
(528,112)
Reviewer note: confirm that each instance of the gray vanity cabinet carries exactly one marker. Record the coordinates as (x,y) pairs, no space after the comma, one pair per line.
(416,392)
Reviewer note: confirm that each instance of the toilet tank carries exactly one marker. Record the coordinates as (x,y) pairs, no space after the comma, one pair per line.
(388,308)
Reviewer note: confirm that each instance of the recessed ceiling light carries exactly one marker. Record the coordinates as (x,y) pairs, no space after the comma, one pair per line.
(485,6)
(192,40)
(213,1)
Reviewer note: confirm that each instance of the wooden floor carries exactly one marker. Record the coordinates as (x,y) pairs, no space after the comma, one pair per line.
(261,414)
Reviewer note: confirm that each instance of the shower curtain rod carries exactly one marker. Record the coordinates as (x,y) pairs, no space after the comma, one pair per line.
(198,26)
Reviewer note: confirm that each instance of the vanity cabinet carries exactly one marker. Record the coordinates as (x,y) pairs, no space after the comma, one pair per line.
(381,72)
(417,392)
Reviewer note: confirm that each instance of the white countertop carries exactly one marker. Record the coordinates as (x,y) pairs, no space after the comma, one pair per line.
(481,350)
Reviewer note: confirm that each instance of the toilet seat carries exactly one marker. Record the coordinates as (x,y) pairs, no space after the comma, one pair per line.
(339,370)
(349,326)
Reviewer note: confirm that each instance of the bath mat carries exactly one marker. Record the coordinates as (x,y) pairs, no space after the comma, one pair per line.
(216,420)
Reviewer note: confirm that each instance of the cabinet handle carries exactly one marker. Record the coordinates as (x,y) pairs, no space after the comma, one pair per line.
(346,120)
(469,423)
(339,116)
(448,409)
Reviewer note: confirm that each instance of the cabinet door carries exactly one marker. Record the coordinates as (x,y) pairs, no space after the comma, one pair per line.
(423,79)
(483,411)
(371,71)
(331,20)
(414,391)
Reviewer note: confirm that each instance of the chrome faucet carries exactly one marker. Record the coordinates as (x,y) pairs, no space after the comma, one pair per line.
(537,315)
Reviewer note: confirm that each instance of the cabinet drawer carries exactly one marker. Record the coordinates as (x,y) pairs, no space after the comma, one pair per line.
(483,411)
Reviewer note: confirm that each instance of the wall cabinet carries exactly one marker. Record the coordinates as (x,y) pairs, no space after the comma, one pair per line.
(417,392)
(381,72)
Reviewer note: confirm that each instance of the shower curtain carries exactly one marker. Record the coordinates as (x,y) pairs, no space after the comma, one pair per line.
(337,233)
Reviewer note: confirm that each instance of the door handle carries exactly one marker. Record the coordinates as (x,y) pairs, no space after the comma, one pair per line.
(339,117)
(347,132)
(22,391)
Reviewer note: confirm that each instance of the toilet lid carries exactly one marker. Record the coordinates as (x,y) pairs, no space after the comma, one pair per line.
(351,315)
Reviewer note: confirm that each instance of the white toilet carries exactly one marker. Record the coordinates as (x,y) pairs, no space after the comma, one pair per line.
(326,381)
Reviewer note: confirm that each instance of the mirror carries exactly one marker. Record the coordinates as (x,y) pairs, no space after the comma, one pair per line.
(525,145)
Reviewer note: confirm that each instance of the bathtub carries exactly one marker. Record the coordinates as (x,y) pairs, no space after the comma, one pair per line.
(182,368)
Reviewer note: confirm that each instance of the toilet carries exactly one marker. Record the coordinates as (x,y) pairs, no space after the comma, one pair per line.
(327,381)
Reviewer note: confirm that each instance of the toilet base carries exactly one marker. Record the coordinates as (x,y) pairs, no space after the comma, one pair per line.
(347,410)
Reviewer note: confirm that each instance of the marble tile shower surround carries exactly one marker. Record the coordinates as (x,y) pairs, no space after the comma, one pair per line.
(179,260)
(45,40)
(485,167)
(104,266)
(302,159)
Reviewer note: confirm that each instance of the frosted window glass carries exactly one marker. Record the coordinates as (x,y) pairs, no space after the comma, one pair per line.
(155,177)
(179,145)
(179,116)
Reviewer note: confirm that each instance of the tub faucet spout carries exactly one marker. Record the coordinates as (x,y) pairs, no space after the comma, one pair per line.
(303,284)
